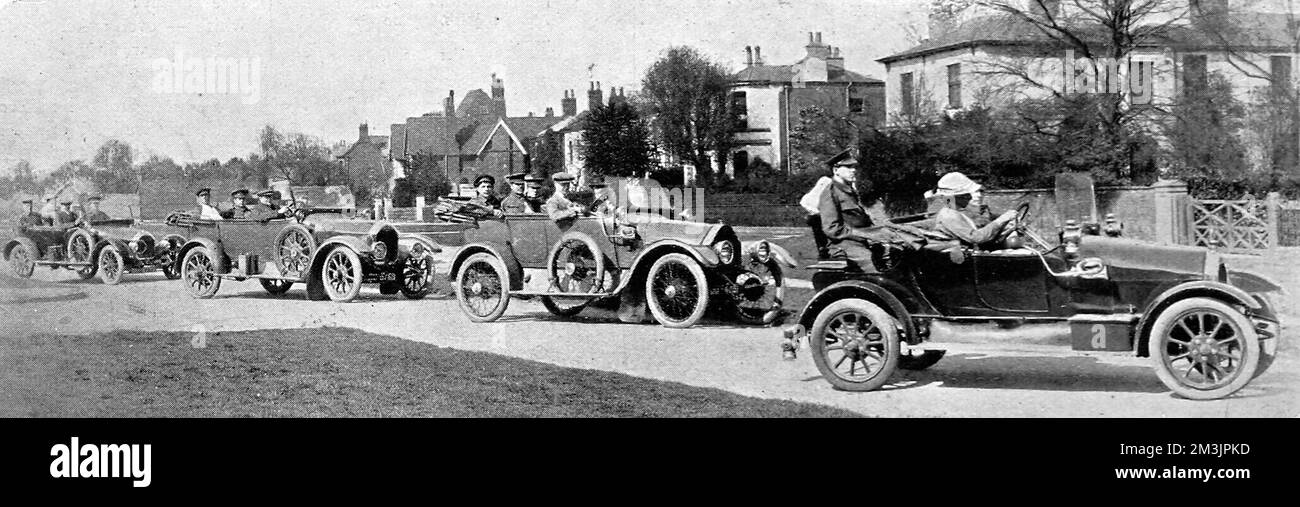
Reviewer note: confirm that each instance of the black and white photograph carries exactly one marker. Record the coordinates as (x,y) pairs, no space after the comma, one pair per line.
(392,210)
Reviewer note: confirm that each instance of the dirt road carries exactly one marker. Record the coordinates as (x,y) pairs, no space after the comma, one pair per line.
(977,381)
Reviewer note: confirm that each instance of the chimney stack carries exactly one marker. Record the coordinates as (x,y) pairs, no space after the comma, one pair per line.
(758,55)
(498,96)
(815,47)
(835,61)
(569,106)
(595,96)
(749,56)
(365,132)
(550,112)
(449,104)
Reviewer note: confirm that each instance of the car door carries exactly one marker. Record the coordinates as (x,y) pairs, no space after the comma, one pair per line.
(1013,281)
(948,285)
(531,238)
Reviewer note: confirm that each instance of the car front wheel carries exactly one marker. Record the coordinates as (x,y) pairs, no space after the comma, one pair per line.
(855,345)
(111,266)
(1203,348)
(199,271)
(342,274)
(677,291)
(482,289)
(417,276)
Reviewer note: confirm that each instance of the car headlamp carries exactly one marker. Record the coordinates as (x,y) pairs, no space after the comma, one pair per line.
(726,252)
(763,252)
(417,249)
(379,250)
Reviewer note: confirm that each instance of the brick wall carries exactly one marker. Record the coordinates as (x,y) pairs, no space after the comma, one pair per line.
(1288,229)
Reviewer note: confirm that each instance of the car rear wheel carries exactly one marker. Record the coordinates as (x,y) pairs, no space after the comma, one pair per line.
(199,270)
(111,265)
(914,360)
(275,287)
(342,274)
(855,345)
(759,292)
(677,291)
(1204,349)
(417,276)
(80,247)
(22,261)
(482,289)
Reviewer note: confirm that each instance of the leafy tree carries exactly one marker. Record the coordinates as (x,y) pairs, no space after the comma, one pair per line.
(1205,140)
(686,97)
(817,137)
(114,168)
(616,142)
(547,157)
(424,176)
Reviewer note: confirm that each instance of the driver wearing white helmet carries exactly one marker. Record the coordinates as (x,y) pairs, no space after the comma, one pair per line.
(953,219)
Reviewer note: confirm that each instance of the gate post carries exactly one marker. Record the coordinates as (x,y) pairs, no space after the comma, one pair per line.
(1274,227)
(419,208)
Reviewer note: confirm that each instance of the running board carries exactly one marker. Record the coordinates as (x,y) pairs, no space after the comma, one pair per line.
(61,264)
(560,294)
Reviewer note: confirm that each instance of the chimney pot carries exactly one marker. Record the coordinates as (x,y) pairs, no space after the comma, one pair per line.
(749,55)
(819,37)
(810,38)
(758,55)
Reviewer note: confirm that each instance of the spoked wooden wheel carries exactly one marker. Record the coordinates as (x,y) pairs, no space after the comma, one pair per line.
(677,291)
(574,268)
(482,288)
(79,250)
(22,261)
(293,248)
(417,276)
(759,291)
(111,266)
(1204,349)
(342,274)
(199,270)
(855,345)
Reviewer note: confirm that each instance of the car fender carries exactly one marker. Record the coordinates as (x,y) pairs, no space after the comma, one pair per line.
(26,242)
(407,240)
(514,270)
(223,264)
(862,289)
(315,286)
(640,265)
(122,246)
(1198,288)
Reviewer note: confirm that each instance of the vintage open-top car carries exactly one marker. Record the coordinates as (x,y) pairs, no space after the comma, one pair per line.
(674,267)
(110,248)
(1207,330)
(332,254)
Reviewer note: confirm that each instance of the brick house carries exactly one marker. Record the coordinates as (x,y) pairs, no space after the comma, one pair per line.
(368,154)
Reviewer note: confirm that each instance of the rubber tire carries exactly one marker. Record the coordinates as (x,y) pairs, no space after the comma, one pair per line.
(28,268)
(881,319)
(110,254)
(311,249)
(500,270)
(275,287)
(88,272)
(565,311)
(428,282)
(216,280)
(702,292)
(745,318)
(591,246)
(357,272)
(1250,351)
(927,359)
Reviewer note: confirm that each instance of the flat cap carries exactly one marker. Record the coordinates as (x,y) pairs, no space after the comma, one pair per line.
(243,192)
(203,191)
(273,194)
(484,177)
(561,177)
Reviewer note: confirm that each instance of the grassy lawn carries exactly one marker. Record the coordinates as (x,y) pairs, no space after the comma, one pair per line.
(329,372)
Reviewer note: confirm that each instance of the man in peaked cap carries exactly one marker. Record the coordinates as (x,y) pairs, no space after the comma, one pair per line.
(93,213)
(843,215)
(203,198)
(516,202)
(64,216)
(559,207)
(32,218)
(266,208)
(238,205)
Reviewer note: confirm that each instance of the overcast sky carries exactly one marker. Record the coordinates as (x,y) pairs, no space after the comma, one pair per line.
(74,73)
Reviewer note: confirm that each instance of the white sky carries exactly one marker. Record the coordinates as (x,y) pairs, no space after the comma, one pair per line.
(74,73)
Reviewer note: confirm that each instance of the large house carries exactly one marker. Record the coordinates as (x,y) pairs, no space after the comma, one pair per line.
(472,138)
(769,99)
(368,154)
(990,58)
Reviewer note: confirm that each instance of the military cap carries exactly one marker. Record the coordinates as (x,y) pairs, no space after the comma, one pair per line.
(562,177)
(243,192)
(65,203)
(273,194)
(516,176)
(94,198)
(533,178)
(203,191)
(484,177)
(844,158)
(27,201)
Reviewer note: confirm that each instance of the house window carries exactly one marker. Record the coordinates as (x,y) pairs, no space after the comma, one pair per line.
(905,94)
(741,107)
(1280,68)
(1195,78)
(857,105)
(954,86)
(739,164)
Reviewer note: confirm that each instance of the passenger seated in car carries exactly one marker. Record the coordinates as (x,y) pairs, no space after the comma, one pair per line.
(64,217)
(267,208)
(32,218)
(517,203)
(953,221)
(559,207)
(485,198)
(843,216)
(93,214)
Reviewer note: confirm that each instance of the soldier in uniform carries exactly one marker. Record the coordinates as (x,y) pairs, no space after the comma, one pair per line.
(485,198)
(559,207)
(238,206)
(843,215)
(64,217)
(203,198)
(266,208)
(94,214)
(533,192)
(32,217)
(516,203)
(602,199)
